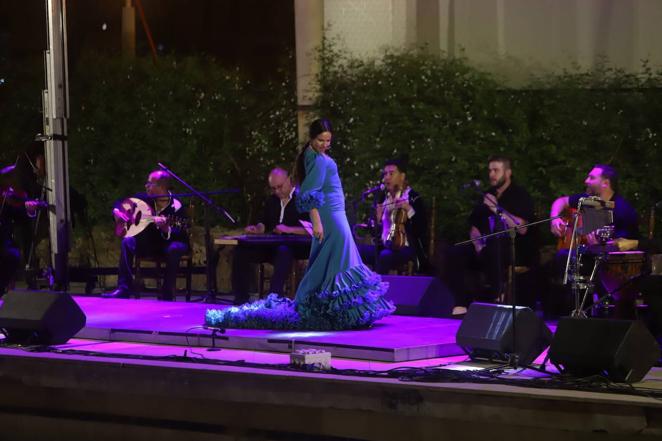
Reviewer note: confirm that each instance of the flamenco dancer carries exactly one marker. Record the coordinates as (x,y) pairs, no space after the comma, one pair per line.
(338,291)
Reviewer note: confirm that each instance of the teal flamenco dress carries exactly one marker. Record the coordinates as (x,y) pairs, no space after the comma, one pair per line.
(338,291)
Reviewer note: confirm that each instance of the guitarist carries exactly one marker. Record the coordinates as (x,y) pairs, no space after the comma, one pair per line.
(159,238)
(601,181)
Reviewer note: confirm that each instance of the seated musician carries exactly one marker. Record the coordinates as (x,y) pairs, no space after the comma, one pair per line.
(159,238)
(13,209)
(505,205)
(401,224)
(602,181)
(281,217)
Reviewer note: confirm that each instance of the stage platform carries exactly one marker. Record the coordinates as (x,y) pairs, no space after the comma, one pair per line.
(393,339)
(145,370)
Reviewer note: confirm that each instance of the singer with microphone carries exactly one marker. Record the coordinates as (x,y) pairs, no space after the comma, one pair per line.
(401,234)
(504,205)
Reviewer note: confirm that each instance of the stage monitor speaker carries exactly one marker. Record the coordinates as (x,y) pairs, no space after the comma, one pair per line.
(487,333)
(40,318)
(419,295)
(621,350)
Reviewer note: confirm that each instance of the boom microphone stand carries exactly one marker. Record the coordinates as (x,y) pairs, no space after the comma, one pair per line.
(513,358)
(572,272)
(209,206)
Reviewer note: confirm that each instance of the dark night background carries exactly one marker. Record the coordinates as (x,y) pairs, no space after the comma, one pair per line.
(255,35)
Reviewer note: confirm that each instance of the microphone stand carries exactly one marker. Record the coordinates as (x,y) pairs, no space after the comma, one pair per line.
(209,205)
(372,223)
(579,282)
(513,359)
(206,193)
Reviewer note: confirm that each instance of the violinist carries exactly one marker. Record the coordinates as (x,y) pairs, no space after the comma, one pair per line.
(504,205)
(14,208)
(401,221)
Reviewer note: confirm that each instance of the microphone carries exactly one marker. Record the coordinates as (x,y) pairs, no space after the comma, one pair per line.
(475,183)
(374,189)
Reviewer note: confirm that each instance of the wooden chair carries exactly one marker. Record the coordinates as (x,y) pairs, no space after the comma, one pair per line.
(158,266)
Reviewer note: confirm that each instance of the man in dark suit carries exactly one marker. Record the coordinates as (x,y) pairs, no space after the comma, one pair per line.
(281,217)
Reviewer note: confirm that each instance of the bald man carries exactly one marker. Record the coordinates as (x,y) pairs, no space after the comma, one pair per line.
(279,216)
(158,239)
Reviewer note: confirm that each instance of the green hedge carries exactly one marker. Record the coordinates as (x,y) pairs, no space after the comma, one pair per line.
(448,118)
(218,129)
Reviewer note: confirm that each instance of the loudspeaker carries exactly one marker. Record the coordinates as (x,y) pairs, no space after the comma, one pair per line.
(419,295)
(40,318)
(487,333)
(621,350)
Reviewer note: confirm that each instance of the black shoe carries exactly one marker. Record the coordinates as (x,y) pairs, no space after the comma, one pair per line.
(117,294)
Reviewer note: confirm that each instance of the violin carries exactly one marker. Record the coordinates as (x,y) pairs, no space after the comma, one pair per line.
(397,235)
(17,198)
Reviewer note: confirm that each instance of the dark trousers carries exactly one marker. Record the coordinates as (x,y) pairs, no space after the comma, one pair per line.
(170,251)
(9,260)
(280,256)
(491,262)
(385,260)
(484,276)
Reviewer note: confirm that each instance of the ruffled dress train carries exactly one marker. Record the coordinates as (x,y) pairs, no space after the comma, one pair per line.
(338,291)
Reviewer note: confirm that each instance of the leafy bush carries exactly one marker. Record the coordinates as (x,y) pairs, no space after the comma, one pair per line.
(218,129)
(447,118)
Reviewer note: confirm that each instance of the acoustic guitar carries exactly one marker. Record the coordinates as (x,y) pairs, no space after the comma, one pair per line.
(602,235)
(140,214)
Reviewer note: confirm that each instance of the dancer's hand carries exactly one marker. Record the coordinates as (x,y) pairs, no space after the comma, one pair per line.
(318,231)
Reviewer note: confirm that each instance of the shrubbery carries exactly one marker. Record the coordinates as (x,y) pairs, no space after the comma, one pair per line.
(220,130)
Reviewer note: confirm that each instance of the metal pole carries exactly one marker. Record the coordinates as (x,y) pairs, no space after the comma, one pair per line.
(56,112)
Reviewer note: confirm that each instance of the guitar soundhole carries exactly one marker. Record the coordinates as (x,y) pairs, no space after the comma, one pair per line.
(139,215)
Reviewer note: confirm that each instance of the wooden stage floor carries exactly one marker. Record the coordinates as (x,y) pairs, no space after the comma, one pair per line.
(393,339)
